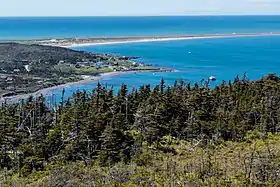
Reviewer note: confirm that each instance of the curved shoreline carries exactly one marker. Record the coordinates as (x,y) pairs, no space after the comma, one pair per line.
(83,42)
(117,40)
(87,79)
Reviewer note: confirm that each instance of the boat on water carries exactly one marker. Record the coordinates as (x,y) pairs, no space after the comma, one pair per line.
(212,78)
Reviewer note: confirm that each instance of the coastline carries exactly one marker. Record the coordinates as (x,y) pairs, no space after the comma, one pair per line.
(87,79)
(109,41)
(83,42)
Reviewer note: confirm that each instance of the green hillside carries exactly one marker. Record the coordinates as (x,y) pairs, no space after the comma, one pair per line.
(181,135)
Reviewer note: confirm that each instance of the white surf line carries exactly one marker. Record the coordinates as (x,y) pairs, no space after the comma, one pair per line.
(164,39)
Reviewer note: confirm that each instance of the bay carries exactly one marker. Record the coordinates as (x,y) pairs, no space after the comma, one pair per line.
(193,60)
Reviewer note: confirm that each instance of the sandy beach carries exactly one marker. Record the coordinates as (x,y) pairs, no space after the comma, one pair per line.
(86,80)
(118,40)
(46,91)
(83,42)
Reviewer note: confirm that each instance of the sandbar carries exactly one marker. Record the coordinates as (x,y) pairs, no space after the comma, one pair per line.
(83,42)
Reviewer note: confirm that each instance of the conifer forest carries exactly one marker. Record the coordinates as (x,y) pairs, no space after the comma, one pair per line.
(168,135)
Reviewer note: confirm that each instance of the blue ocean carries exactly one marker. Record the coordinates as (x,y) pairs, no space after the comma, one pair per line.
(193,60)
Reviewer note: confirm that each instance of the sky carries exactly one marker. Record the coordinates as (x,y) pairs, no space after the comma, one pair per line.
(137,7)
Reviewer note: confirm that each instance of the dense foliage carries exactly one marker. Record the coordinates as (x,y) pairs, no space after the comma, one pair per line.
(178,135)
(15,52)
(27,68)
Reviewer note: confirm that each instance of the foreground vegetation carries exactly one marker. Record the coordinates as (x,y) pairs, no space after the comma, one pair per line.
(167,136)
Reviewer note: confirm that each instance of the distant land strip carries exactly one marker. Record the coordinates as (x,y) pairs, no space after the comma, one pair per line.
(79,42)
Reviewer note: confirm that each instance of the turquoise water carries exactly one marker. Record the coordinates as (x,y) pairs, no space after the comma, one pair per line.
(193,60)
(223,58)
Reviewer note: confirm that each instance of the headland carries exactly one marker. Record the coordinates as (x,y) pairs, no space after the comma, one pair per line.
(37,66)
(37,69)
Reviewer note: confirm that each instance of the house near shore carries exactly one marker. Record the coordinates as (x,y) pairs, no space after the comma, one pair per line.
(16,70)
(125,68)
(124,58)
(10,79)
(27,68)
(135,64)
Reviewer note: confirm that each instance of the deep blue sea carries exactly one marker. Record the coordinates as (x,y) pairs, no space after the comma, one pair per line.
(223,58)
(47,27)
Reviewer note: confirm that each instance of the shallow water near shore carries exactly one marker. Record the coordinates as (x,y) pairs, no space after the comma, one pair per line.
(223,58)
(193,60)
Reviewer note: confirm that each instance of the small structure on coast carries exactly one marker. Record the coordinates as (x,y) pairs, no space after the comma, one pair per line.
(27,68)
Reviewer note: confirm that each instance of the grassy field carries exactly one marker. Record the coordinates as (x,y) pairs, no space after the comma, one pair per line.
(63,68)
(93,70)
(145,68)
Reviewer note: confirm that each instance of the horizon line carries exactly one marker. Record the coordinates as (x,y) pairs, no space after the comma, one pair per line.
(179,15)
